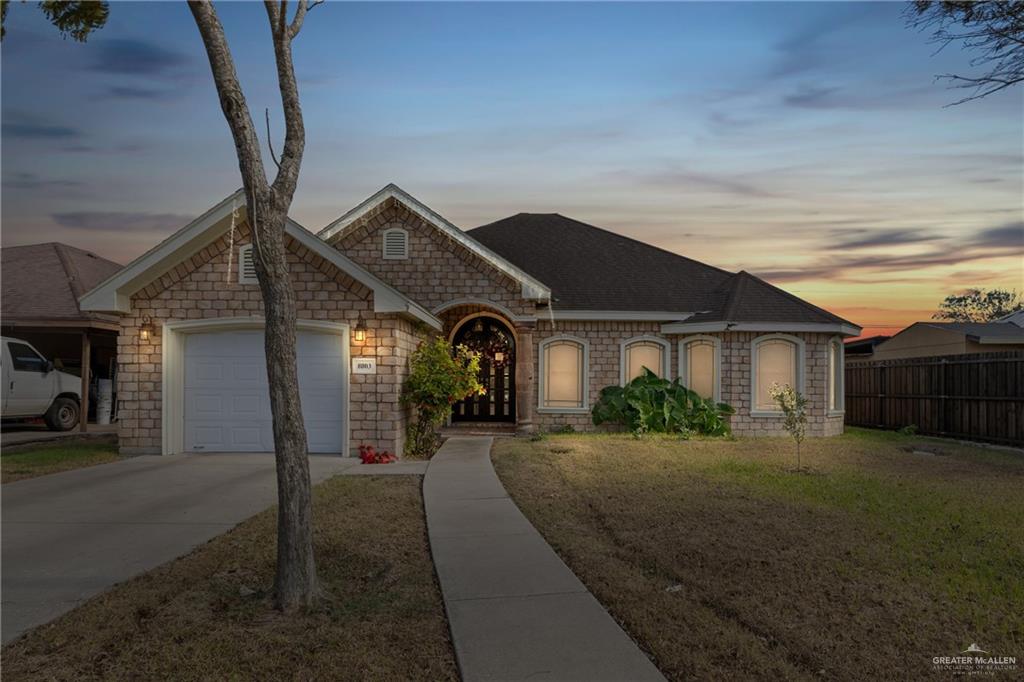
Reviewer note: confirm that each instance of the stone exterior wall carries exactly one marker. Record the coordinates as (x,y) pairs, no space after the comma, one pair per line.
(605,339)
(438,270)
(202,288)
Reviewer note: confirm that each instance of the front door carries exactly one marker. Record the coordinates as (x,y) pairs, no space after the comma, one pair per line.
(494,342)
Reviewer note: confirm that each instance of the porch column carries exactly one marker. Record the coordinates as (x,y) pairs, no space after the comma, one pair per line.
(83,418)
(524,379)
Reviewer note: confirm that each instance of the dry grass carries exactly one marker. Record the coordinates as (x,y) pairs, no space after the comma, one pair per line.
(725,563)
(208,614)
(51,458)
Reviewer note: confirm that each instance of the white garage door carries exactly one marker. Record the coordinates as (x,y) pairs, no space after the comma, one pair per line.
(227,402)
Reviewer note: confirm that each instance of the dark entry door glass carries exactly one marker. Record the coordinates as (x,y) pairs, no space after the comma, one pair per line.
(495,344)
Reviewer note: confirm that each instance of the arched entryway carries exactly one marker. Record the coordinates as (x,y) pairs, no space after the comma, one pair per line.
(496,344)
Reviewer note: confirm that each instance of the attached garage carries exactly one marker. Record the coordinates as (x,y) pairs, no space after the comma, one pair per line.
(216,377)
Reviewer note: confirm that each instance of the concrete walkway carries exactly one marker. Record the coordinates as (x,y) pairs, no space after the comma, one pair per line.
(515,609)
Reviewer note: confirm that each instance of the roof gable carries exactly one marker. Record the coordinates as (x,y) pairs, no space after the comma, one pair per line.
(532,287)
(114,294)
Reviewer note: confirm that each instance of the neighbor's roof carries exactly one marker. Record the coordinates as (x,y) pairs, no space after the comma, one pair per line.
(589,268)
(1016,318)
(45,281)
(983,332)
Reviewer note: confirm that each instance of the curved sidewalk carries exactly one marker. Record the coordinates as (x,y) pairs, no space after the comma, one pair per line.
(515,609)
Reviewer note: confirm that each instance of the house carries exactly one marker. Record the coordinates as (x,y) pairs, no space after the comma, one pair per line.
(559,309)
(39,302)
(862,349)
(925,339)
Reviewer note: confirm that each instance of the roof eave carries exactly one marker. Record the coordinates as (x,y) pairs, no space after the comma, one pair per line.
(842,329)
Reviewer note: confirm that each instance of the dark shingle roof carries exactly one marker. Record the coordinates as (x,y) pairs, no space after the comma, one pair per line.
(44,281)
(589,268)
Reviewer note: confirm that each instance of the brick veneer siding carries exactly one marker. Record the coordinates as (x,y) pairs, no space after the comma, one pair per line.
(438,269)
(203,288)
(605,339)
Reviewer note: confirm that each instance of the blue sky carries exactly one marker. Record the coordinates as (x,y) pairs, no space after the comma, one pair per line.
(805,142)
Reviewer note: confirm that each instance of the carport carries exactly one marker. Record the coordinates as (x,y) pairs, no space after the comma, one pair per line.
(41,287)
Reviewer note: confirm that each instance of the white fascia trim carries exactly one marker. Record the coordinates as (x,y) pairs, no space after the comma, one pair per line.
(114,293)
(703,327)
(616,315)
(532,289)
(386,299)
(508,314)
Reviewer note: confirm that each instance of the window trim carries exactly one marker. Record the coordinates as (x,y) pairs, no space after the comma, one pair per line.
(542,375)
(243,250)
(836,379)
(384,243)
(716,342)
(800,364)
(666,353)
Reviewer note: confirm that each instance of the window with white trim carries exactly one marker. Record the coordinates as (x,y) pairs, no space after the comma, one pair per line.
(700,365)
(644,352)
(563,375)
(836,402)
(246,266)
(395,243)
(776,361)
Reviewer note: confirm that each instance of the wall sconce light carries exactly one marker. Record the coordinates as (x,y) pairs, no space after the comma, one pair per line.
(147,329)
(360,330)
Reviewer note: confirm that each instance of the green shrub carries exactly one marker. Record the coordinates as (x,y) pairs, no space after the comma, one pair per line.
(649,404)
(439,377)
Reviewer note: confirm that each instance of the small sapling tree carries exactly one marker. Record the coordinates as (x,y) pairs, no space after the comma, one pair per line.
(794,407)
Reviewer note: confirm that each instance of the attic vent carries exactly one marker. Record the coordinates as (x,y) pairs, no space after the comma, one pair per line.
(246,266)
(396,244)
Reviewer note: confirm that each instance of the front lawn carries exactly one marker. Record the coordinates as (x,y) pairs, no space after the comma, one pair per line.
(723,562)
(208,615)
(49,458)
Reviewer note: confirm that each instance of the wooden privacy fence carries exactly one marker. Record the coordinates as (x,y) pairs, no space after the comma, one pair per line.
(979,396)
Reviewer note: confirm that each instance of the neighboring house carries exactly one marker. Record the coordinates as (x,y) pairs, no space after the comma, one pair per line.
(925,339)
(1016,318)
(559,309)
(862,349)
(41,285)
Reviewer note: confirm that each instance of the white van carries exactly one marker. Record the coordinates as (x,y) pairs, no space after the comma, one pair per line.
(33,388)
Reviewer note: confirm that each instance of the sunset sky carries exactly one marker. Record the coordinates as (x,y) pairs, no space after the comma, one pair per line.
(806,143)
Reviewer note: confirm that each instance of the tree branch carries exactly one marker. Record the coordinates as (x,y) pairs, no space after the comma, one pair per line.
(232,100)
(295,132)
(270,142)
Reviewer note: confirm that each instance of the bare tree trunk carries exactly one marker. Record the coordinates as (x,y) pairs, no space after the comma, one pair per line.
(267,205)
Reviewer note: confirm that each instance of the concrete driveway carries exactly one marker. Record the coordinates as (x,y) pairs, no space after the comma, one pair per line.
(69,536)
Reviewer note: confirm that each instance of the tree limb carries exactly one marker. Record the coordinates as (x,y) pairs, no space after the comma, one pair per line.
(295,132)
(270,142)
(232,100)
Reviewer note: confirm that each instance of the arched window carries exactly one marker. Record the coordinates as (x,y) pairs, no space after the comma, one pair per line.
(836,386)
(643,351)
(395,243)
(700,365)
(563,375)
(776,359)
